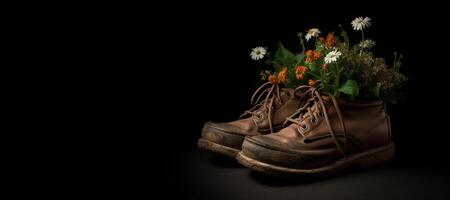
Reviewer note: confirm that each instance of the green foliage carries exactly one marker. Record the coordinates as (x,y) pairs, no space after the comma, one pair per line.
(376,90)
(315,68)
(300,59)
(283,58)
(350,87)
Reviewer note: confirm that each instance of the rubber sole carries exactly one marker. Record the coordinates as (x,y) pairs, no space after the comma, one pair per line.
(365,159)
(217,148)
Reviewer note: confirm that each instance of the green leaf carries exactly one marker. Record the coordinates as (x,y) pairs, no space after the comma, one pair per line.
(391,99)
(376,90)
(313,67)
(320,48)
(300,58)
(283,57)
(350,88)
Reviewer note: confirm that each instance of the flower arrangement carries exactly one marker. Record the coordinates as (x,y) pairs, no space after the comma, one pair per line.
(336,66)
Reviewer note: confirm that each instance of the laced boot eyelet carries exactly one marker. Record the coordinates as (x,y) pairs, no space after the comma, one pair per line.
(304,126)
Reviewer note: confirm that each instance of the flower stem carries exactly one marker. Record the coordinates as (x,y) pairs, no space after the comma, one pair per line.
(301,42)
(395,60)
(362,33)
(315,75)
(336,84)
(344,34)
(323,80)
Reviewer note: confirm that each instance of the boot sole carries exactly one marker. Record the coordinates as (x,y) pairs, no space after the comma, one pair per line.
(217,148)
(365,159)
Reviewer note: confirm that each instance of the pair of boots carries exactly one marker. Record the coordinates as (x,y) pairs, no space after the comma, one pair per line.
(303,132)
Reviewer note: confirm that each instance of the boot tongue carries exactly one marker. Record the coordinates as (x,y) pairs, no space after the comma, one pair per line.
(316,108)
(285,95)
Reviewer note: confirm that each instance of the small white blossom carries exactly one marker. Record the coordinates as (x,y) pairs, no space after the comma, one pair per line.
(367,44)
(333,56)
(361,23)
(258,53)
(314,32)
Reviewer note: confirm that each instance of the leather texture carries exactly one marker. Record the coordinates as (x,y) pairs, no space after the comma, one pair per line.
(309,144)
(232,134)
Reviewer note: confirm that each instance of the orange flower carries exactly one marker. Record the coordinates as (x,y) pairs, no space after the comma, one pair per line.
(282,75)
(301,69)
(312,82)
(325,67)
(300,72)
(316,55)
(331,40)
(273,79)
(309,55)
(312,56)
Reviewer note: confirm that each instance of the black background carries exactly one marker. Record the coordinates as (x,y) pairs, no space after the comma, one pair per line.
(124,91)
(204,73)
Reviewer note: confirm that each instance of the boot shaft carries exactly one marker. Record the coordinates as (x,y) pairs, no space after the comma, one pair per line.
(365,122)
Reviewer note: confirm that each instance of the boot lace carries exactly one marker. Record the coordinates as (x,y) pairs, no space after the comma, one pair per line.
(264,97)
(316,102)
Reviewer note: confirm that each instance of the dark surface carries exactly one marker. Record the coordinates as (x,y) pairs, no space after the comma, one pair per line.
(202,175)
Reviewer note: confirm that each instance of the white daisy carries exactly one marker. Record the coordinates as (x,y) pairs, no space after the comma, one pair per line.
(258,53)
(332,56)
(361,23)
(314,32)
(367,44)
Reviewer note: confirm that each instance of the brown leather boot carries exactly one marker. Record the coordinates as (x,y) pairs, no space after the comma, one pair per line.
(325,136)
(272,104)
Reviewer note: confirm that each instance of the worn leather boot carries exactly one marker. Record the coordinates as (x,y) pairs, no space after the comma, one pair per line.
(272,105)
(324,137)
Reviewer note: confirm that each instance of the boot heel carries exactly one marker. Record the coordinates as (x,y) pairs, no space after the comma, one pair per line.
(378,156)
